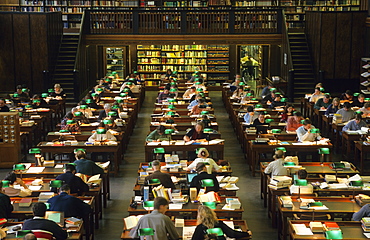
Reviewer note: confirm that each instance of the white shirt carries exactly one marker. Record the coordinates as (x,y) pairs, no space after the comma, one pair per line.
(100,137)
(276,168)
(210,161)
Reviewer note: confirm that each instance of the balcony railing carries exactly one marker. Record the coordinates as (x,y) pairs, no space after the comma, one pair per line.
(231,21)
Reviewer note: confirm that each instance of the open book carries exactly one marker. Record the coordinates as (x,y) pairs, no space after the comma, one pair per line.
(131,221)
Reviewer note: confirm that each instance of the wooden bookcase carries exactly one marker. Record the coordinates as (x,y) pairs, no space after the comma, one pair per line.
(365,76)
(212,61)
(115,60)
(10,143)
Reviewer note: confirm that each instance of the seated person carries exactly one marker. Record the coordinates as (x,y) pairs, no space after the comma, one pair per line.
(239,92)
(316,95)
(294,122)
(71,125)
(13,192)
(40,223)
(276,102)
(86,166)
(269,97)
(196,77)
(168,74)
(195,133)
(163,95)
(346,112)
(164,178)
(3,107)
(190,92)
(266,90)
(238,80)
(86,112)
(207,218)
(323,103)
(95,101)
(111,125)
(128,91)
(157,135)
(70,205)
(276,167)
(355,124)
(69,115)
(288,112)
(333,107)
(250,116)
(348,95)
(302,174)
(105,113)
(363,212)
(107,136)
(203,156)
(365,110)
(21,96)
(304,132)
(38,102)
(197,109)
(260,124)
(77,185)
(6,206)
(58,91)
(202,174)
(195,101)
(173,92)
(359,101)
(206,121)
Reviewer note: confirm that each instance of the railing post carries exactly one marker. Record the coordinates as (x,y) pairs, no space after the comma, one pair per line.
(279,20)
(290,89)
(183,22)
(321,76)
(46,83)
(232,22)
(135,22)
(76,85)
(86,28)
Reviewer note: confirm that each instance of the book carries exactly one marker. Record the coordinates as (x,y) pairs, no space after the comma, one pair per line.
(73,220)
(131,221)
(45,196)
(331,226)
(286,201)
(146,193)
(316,227)
(94,179)
(25,202)
(301,229)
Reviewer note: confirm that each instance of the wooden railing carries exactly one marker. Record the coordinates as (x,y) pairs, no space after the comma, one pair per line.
(231,21)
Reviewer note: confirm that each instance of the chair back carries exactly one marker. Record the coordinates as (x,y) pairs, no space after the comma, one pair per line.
(42,235)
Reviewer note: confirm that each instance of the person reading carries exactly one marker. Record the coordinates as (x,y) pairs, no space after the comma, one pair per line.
(304,132)
(333,107)
(202,174)
(86,166)
(365,109)
(77,186)
(322,103)
(359,101)
(195,133)
(260,124)
(294,122)
(164,178)
(11,190)
(301,174)
(203,156)
(250,116)
(276,167)
(355,124)
(157,135)
(346,112)
(6,206)
(288,112)
(316,95)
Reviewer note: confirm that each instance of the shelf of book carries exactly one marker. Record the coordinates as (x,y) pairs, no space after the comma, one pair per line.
(115,61)
(365,76)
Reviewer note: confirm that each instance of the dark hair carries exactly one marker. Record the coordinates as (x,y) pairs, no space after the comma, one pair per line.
(80,154)
(349,92)
(278,154)
(250,109)
(318,88)
(161,129)
(302,174)
(361,96)
(201,100)
(160,201)
(327,95)
(287,106)
(65,188)
(306,122)
(347,105)
(201,124)
(19,87)
(200,166)
(2,99)
(358,117)
(298,114)
(11,177)
(193,87)
(367,105)
(156,163)
(70,167)
(1,184)
(39,209)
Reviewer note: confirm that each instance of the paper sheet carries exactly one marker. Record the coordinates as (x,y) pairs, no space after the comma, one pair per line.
(35,169)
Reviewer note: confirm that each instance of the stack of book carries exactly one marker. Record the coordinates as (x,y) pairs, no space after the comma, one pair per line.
(278,182)
(316,227)
(365,224)
(331,226)
(287,201)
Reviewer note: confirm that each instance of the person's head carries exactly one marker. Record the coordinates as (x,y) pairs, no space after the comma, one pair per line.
(289,108)
(156,165)
(307,124)
(201,101)
(348,94)
(39,209)
(166,91)
(70,168)
(367,106)
(336,102)
(80,154)
(73,110)
(302,174)
(347,106)
(19,89)
(250,109)
(361,98)
(261,118)
(29,236)
(199,127)
(198,96)
(297,116)
(278,154)
(161,204)
(107,107)
(2,102)
(277,98)
(317,90)
(193,88)
(200,167)
(203,153)
(11,177)
(319,85)
(169,71)
(161,129)
(57,87)
(240,89)
(358,118)
(238,77)
(206,216)
(65,188)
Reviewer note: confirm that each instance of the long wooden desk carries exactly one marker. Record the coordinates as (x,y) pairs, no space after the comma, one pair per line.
(348,140)
(181,126)
(361,151)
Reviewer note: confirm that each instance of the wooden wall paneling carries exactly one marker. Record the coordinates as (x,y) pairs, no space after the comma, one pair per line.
(343,46)
(275,60)
(22,49)
(234,68)
(7,78)
(54,37)
(132,58)
(358,43)
(316,37)
(327,48)
(39,51)
(265,61)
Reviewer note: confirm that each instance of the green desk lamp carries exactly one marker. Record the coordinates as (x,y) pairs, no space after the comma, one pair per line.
(204,112)
(83,107)
(323,152)
(300,183)
(334,234)
(19,168)
(206,183)
(215,231)
(269,120)
(56,184)
(211,205)
(157,152)
(112,114)
(50,90)
(143,232)
(276,131)
(6,183)
(37,153)
(281,148)
(154,181)
(169,133)
(44,95)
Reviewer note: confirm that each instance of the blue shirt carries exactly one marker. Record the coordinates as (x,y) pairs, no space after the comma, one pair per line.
(70,205)
(353,126)
(192,104)
(363,212)
(265,91)
(331,109)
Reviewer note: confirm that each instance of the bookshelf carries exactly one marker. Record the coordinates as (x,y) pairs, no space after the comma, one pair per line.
(9,139)
(212,61)
(115,61)
(365,76)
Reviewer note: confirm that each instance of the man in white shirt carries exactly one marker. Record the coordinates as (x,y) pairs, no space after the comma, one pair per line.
(304,132)
(276,167)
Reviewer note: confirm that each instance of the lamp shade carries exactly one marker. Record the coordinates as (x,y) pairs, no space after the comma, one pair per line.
(357,183)
(211,205)
(172,83)
(315,130)
(171,100)
(208,130)
(136,72)
(146,232)
(254,99)
(337,165)
(28,107)
(115,107)
(315,204)
(289,164)
(356,94)
(334,234)
(71,122)
(159,150)
(278,93)
(322,89)
(77,114)
(24,90)
(148,203)
(199,89)
(207,183)
(107,121)
(359,112)
(367,99)
(20,114)
(126,90)
(5,183)
(36,101)
(171,106)
(112,114)
(34,151)
(50,90)
(300,182)
(83,107)
(56,183)
(269,120)
(272,89)
(276,130)
(79,149)
(123,94)
(154,181)
(169,131)
(170,113)
(174,72)
(129,83)
(170,121)
(22,233)
(324,151)
(215,231)
(280,148)
(241,84)
(249,94)
(258,106)
(88,101)
(101,131)
(94,94)
(204,112)
(64,130)
(19,167)
(15,95)
(44,95)
(284,100)
(99,89)
(119,100)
